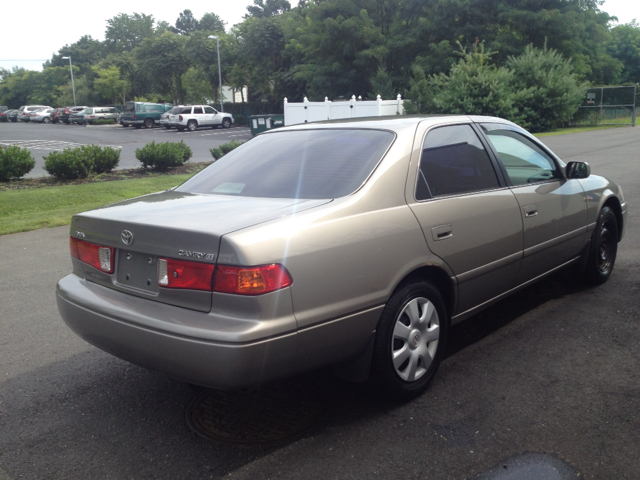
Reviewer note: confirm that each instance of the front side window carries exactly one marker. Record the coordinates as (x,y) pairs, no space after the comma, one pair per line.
(454,161)
(524,161)
(309,164)
(209,110)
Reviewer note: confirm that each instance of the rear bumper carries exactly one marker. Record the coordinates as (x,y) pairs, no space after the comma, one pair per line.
(201,348)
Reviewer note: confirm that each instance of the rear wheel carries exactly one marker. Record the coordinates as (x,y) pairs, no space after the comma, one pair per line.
(603,248)
(226,123)
(46,120)
(410,341)
(192,125)
(148,122)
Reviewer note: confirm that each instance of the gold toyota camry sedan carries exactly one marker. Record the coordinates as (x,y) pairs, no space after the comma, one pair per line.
(355,244)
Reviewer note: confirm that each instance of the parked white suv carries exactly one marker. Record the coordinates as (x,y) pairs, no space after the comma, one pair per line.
(193,116)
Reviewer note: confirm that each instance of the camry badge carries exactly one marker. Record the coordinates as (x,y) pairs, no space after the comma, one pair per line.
(127,237)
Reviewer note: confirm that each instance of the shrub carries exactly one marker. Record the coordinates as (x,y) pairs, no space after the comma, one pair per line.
(69,164)
(162,156)
(223,149)
(15,162)
(555,91)
(101,159)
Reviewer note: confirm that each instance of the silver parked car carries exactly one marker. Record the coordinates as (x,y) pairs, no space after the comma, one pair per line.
(42,116)
(355,243)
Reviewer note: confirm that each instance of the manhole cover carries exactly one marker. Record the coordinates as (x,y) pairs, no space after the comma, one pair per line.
(250,417)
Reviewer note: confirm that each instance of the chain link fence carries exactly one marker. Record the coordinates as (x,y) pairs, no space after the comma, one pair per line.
(608,106)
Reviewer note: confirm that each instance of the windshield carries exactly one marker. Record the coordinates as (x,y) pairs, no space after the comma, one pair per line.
(130,107)
(310,164)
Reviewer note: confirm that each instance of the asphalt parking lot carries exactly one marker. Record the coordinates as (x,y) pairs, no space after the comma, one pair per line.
(554,369)
(41,139)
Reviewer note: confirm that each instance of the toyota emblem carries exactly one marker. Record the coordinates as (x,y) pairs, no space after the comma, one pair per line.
(127,237)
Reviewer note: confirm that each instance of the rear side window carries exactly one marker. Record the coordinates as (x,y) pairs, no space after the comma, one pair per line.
(310,164)
(454,161)
(197,110)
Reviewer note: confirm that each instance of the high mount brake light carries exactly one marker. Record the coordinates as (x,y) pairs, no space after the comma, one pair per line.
(95,255)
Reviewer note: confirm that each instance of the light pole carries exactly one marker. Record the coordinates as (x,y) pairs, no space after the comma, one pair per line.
(217,37)
(73,87)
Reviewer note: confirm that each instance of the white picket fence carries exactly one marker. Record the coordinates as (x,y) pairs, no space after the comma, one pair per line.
(307,111)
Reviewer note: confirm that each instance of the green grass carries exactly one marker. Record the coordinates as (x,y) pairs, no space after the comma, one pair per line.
(563,131)
(33,208)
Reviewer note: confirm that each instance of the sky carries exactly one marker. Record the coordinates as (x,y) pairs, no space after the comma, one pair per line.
(47,26)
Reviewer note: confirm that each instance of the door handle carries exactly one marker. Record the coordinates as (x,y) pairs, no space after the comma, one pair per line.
(530,211)
(441,232)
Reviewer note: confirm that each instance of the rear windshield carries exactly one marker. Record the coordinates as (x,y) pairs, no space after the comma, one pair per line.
(310,164)
(175,110)
(130,107)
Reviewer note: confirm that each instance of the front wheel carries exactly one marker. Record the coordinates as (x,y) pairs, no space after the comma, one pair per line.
(226,123)
(410,341)
(603,248)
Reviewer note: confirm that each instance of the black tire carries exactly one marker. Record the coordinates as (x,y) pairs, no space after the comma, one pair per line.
(148,122)
(226,123)
(410,341)
(46,120)
(603,248)
(192,125)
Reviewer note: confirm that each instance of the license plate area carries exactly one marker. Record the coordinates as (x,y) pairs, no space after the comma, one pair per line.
(138,271)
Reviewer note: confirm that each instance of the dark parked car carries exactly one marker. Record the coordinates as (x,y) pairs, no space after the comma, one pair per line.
(65,115)
(13,115)
(81,117)
(143,114)
(355,243)
(4,115)
(55,116)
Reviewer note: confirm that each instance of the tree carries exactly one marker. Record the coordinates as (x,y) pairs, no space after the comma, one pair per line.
(126,32)
(109,84)
(84,53)
(624,46)
(211,23)
(267,8)
(167,60)
(554,91)
(186,23)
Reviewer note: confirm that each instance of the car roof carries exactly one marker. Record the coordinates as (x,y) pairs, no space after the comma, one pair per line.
(393,122)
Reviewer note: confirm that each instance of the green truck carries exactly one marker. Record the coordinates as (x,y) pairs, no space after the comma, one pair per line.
(143,114)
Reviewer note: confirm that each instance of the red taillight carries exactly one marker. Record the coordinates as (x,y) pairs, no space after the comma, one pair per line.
(251,280)
(95,255)
(180,117)
(182,274)
(135,117)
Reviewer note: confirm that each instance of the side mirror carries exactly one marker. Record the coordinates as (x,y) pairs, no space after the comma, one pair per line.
(578,170)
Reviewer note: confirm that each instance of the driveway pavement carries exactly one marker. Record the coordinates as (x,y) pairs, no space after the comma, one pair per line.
(554,369)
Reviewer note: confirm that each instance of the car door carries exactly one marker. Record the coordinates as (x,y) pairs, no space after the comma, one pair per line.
(469,217)
(553,208)
(210,115)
